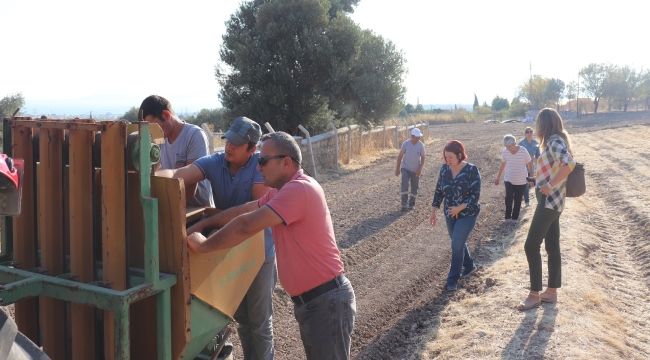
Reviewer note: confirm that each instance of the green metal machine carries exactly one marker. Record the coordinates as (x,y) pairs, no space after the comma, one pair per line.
(147,282)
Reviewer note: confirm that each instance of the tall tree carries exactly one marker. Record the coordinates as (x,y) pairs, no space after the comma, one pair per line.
(594,77)
(292,62)
(535,92)
(476,104)
(131,114)
(375,80)
(571,91)
(499,103)
(9,104)
(554,91)
(643,92)
(621,85)
(214,117)
(346,6)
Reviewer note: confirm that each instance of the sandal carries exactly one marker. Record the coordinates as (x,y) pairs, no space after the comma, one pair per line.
(529,303)
(546,298)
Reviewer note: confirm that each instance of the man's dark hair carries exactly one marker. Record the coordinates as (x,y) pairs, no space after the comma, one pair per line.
(154,105)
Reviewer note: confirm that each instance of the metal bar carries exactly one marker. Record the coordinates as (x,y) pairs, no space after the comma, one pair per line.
(81,239)
(121,346)
(60,124)
(164,328)
(76,292)
(50,236)
(151,250)
(311,150)
(24,288)
(113,149)
(149,209)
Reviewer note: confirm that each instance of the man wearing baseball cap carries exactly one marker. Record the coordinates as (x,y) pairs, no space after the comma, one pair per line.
(410,162)
(236,180)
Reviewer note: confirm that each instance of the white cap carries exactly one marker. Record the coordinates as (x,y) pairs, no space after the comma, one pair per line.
(416,132)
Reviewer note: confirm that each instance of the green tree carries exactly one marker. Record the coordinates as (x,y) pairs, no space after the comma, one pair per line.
(419,108)
(292,62)
(594,77)
(517,108)
(534,91)
(554,91)
(10,103)
(499,103)
(571,91)
(409,108)
(132,114)
(622,85)
(476,104)
(216,118)
(541,91)
(346,6)
(643,92)
(375,82)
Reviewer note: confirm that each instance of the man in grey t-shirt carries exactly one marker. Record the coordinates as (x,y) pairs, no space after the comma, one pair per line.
(409,163)
(533,150)
(184,143)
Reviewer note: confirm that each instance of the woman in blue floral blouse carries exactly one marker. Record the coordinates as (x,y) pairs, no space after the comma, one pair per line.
(459,185)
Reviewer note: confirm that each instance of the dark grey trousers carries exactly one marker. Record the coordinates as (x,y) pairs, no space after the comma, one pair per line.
(409,178)
(326,323)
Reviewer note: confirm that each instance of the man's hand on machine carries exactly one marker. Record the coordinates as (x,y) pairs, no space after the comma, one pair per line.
(197,227)
(195,241)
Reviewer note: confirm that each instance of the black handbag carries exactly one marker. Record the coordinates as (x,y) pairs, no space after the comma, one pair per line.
(575,183)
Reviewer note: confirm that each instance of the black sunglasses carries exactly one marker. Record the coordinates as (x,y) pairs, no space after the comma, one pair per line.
(262,160)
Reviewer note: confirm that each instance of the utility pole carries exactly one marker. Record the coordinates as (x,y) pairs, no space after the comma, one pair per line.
(530,85)
(578,97)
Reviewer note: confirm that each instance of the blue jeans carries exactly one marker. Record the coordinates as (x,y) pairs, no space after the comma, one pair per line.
(409,178)
(326,323)
(459,230)
(255,314)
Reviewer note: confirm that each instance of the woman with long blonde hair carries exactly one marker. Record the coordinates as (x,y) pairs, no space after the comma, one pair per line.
(553,167)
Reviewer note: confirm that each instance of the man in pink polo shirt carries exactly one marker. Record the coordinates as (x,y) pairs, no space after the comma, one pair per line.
(309,262)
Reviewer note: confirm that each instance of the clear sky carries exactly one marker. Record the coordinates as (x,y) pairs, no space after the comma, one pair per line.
(74,56)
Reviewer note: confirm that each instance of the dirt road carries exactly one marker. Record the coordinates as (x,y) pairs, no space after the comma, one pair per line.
(604,307)
(397,262)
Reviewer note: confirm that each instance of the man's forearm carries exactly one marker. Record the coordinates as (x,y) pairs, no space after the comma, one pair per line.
(225,216)
(229,236)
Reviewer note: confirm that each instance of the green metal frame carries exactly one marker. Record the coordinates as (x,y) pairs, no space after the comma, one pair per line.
(20,284)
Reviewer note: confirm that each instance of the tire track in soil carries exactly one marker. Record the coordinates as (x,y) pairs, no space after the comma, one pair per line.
(622,227)
(396,261)
(397,264)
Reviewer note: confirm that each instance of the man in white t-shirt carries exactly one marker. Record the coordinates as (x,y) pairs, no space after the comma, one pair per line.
(409,163)
(515,166)
(184,143)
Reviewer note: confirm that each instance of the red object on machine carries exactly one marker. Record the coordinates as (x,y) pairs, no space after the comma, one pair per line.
(10,178)
(11,171)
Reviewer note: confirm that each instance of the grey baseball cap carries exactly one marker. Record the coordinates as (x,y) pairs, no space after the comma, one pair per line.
(242,131)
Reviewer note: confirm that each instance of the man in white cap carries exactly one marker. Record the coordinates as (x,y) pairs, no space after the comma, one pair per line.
(410,162)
